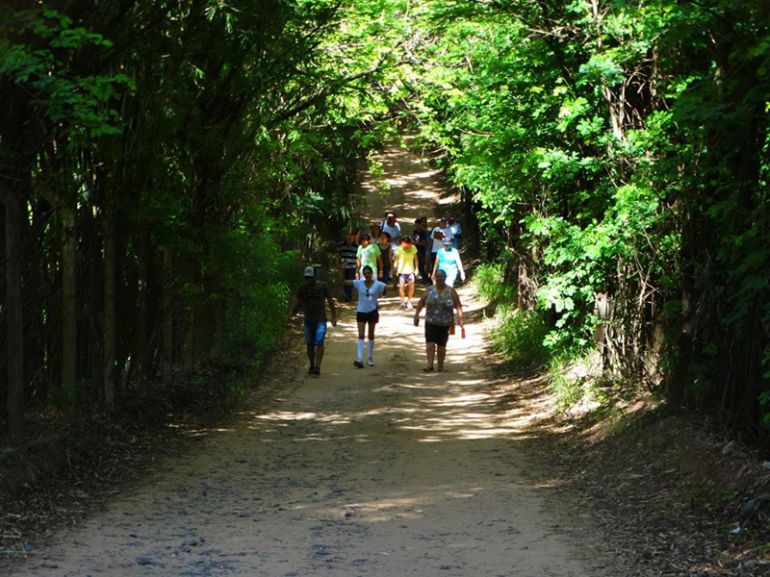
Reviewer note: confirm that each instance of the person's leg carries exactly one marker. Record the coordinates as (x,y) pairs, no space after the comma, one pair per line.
(370,344)
(430,353)
(410,291)
(311,356)
(350,274)
(360,346)
(401,291)
(319,347)
(441,355)
(310,342)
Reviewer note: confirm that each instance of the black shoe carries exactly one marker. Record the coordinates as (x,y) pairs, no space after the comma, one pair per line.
(311,371)
(358,364)
(316,370)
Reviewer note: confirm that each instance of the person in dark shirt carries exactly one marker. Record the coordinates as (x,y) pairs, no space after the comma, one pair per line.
(387,256)
(419,239)
(347,251)
(312,296)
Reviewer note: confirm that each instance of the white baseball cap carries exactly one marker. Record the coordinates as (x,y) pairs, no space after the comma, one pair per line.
(309,271)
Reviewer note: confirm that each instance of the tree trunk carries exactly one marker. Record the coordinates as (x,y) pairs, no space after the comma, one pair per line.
(167,340)
(142,311)
(109,329)
(15,338)
(69,308)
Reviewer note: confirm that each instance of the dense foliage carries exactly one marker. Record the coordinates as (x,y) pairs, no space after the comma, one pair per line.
(619,154)
(165,168)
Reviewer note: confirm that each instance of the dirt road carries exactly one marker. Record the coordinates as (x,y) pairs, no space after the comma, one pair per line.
(383,471)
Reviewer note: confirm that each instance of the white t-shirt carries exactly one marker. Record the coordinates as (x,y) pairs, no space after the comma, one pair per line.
(367,296)
(394,231)
(439,242)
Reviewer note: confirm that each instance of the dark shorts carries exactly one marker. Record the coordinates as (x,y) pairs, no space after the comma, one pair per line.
(436,334)
(372,317)
(315,333)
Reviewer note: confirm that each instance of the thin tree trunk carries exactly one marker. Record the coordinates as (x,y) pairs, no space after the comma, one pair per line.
(69,308)
(15,328)
(109,329)
(142,311)
(167,342)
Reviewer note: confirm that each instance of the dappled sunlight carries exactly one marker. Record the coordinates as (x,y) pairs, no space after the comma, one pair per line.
(439,415)
(395,506)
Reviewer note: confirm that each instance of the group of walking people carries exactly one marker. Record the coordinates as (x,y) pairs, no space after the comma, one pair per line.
(367,269)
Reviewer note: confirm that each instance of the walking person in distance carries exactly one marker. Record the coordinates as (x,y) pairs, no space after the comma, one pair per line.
(440,302)
(347,250)
(405,266)
(367,313)
(448,260)
(312,297)
(368,254)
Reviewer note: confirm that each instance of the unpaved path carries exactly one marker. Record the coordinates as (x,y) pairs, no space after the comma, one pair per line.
(383,472)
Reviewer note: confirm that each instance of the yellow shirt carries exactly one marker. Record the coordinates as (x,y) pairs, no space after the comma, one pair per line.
(404,260)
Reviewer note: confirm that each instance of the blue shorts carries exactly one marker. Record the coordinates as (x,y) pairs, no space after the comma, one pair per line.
(315,333)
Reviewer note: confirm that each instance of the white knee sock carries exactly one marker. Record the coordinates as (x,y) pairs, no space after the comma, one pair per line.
(370,344)
(360,350)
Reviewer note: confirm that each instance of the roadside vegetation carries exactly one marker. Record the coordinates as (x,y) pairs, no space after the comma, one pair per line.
(168,167)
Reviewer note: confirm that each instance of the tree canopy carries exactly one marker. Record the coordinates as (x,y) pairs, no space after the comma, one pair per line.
(167,167)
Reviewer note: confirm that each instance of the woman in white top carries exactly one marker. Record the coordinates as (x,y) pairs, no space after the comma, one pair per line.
(369,290)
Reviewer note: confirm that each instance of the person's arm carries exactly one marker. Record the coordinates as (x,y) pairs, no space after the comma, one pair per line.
(341,267)
(293,305)
(358,262)
(435,268)
(415,261)
(330,300)
(460,265)
(458,306)
(379,265)
(393,266)
(418,308)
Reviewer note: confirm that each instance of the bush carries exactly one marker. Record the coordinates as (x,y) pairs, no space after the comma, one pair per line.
(489,281)
(519,336)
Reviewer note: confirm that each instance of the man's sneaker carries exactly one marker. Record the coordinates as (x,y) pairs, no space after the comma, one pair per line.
(311,371)
(409,306)
(316,370)
(370,362)
(358,364)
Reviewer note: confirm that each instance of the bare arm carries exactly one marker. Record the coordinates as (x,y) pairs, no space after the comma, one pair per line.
(333,309)
(458,306)
(293,306)
(460,265)
(418,308)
